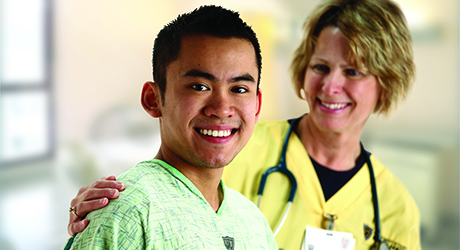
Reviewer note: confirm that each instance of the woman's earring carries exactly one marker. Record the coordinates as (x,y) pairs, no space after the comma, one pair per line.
(302,94)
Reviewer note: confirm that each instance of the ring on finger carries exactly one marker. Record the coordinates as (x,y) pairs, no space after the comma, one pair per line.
(74,210)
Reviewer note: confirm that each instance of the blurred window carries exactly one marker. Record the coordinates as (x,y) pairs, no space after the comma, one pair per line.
(25,81)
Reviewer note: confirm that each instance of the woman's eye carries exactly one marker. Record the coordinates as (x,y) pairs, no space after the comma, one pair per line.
(321,68)
(239,90)
(352,72)
(199,87)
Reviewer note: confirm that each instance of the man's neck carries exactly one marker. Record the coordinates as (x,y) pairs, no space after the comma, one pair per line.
(206,180)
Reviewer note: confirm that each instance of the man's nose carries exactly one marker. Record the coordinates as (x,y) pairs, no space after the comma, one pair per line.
(220,105)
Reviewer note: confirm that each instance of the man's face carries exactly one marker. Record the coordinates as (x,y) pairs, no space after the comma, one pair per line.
(211,102)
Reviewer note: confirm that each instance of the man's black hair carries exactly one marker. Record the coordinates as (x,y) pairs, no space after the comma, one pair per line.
(206,20)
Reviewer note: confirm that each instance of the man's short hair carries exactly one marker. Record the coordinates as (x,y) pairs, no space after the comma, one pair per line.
(206,20)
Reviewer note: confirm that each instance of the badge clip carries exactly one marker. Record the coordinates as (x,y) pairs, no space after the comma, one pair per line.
(330,221)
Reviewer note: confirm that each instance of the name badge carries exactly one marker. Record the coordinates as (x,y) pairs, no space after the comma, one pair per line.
(320,239)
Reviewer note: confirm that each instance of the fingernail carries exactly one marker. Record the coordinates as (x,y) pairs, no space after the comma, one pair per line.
(102,201)
(119,186)
(112,192)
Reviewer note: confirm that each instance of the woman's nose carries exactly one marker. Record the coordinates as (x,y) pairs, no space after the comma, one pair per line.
(333,83)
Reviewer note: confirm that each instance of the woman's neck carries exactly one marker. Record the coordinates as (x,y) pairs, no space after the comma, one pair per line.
(334,150)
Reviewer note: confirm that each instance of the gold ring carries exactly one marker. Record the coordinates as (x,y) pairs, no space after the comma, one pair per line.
(74,210)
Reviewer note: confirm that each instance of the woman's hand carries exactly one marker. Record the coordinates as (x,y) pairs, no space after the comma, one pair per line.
(90,198)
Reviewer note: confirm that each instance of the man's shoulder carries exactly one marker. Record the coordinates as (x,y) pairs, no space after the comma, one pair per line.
(128,217)
(145,174)
(121,219)
(239,202)
(235,195)
(143,183)
(134,173)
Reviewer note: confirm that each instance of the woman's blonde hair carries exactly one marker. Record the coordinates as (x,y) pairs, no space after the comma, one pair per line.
(378,36)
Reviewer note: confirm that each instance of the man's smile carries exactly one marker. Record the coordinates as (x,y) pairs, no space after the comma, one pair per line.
(216,132)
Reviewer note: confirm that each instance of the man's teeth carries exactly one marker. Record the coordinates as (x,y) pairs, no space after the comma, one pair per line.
(215,133)
(334,105)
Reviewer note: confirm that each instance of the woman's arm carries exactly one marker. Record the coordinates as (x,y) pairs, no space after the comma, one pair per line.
(89,198)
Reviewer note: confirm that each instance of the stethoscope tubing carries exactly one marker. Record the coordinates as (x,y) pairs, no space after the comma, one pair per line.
(375,200)
(281,167)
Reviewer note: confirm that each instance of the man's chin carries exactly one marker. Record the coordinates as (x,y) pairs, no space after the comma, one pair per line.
(218,162)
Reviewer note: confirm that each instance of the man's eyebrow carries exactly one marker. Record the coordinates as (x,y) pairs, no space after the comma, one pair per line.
(245,77)
(199,73)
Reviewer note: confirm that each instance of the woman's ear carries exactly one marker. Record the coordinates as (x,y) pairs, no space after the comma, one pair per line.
(151,99)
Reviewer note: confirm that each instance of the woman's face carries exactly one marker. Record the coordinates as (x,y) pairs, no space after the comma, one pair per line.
(341,95)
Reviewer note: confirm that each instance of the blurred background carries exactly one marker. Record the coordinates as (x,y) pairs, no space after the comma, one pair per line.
(71,73)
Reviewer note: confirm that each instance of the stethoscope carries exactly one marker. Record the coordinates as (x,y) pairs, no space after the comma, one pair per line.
(282,168)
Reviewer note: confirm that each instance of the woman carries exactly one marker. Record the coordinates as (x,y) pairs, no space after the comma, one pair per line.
(355,59)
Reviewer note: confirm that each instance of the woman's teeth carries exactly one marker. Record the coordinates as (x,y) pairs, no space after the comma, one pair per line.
(334,105)
(215,133)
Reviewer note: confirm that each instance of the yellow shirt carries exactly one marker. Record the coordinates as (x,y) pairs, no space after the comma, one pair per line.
(399,215)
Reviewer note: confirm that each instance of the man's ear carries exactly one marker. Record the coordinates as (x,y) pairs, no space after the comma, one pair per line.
(151,99)
(259,104)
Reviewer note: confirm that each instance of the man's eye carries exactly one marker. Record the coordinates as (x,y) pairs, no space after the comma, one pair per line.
(239,90)
(199,87)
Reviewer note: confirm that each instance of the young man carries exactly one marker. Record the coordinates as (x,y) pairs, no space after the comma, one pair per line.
(206,95)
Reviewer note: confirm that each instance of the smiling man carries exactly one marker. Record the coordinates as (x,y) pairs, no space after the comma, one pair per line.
(206,95)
